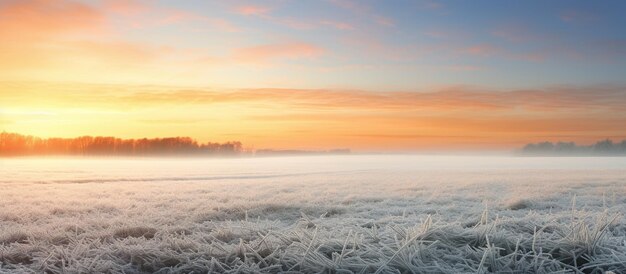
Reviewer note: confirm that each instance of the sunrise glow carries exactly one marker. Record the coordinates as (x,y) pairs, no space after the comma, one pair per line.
(315,75)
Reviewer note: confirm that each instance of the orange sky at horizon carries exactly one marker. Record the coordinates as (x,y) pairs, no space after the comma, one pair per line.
(315,75)
(454,118)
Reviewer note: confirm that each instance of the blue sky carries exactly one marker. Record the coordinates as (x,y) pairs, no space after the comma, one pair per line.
(348,44)
(417,44)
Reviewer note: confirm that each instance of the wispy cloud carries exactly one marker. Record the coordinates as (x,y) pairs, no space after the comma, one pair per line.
(598,97)
(265,13)
(177,16)
(264,53)
(50,39)
(354,6)
(338,25)
(446,33)
(577,16)
(125,7)
(252,10)
(351,117)
(32,30)
(431,4)
(362,9)
(141,15)
(488,50)
(39,19)
(464,68)
(384,21)
(517,33)
(481,50)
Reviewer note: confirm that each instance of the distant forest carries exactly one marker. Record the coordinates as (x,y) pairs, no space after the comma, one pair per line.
(12,144)
(604,147)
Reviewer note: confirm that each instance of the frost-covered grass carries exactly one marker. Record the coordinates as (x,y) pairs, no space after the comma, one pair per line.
(348,214)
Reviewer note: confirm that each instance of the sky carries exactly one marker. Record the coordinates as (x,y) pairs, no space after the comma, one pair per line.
(369,75)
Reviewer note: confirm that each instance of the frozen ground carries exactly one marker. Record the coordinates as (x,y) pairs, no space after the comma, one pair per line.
(333,214)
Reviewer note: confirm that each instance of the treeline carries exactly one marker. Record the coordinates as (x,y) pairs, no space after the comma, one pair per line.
(604,147)
(12,144)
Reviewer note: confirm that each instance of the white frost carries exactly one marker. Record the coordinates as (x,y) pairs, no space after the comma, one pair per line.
(361,214)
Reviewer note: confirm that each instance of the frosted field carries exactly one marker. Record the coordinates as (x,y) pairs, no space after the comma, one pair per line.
(329,214)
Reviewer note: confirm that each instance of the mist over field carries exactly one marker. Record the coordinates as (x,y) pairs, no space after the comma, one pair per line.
(330,214)
(329,136)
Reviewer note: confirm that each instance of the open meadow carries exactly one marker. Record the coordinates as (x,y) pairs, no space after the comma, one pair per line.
(316,214)
(331,137)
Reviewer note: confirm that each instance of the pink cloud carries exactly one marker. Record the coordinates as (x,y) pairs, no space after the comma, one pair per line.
(487,50)
(35,19)
(515,33)
(41,35)
(265,53)
(364,10)
(572,16)
(115,52)
(174,16)
(430,4)
(252,10)
(292,23)
(384,21)
(125,7)
(438,34)
(353,6)
(224,25)
(481,50)
(142,14)
(264,13)
(534,57)
(338,25)
(464,68)
(540,100)
(171,16)
(445,33)
(371,45)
